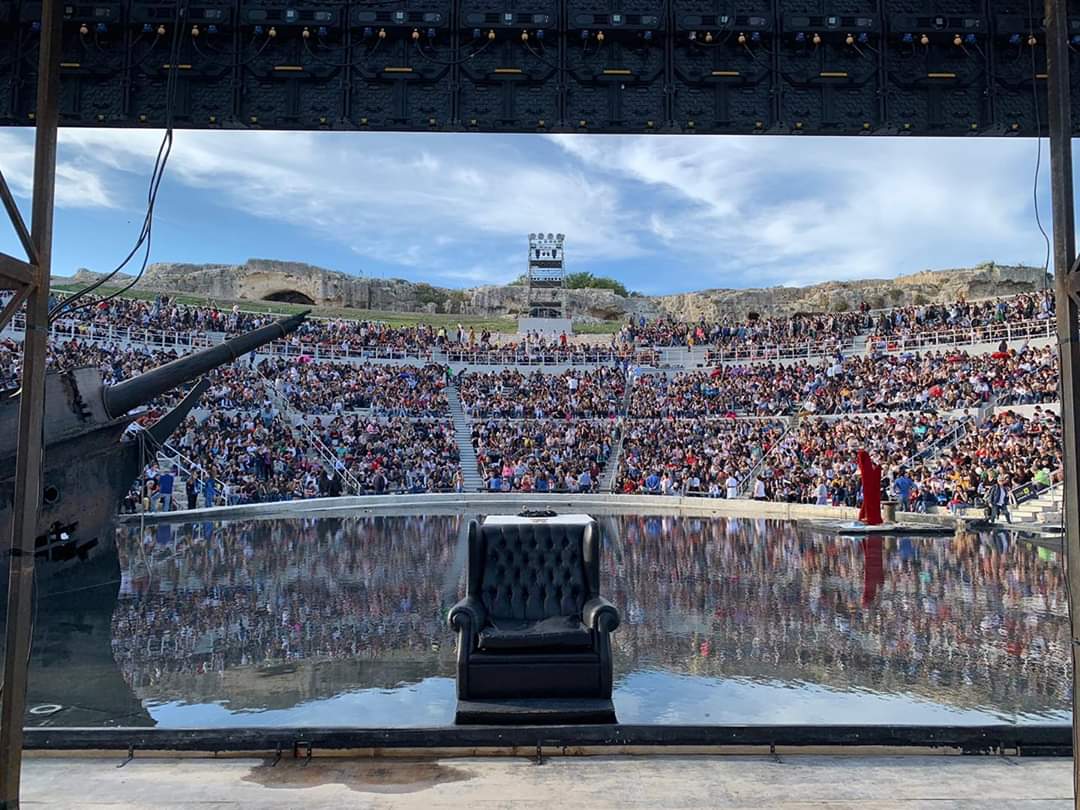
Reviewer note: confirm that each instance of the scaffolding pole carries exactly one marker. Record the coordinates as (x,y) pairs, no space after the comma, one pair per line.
(28,460)
(1066,278)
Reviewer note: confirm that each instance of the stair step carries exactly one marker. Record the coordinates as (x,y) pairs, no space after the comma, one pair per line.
(470,472)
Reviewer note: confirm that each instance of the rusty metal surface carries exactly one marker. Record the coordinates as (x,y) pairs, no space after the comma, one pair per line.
(29,457)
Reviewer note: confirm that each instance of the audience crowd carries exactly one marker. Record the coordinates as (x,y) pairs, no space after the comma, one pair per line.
(538,455)
(755,337)
(329,387)
(673,456)
(970,322)
(373,427)
(254,457)
(908,382)
(509,394)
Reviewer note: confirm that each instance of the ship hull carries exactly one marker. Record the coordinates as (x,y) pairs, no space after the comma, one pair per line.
(84,482)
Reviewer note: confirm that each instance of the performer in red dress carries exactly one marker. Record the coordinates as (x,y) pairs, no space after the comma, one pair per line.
(870,513)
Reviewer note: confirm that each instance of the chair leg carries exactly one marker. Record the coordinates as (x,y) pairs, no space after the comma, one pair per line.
(464,641)
(603,644)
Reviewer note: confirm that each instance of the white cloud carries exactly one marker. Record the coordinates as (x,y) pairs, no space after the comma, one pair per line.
(709,211)
(775,210)
(417,201)
(77,185)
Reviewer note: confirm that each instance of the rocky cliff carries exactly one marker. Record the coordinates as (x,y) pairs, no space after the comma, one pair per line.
(929,286)
(268,280)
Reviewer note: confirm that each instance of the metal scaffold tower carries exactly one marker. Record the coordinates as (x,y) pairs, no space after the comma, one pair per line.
(546,276)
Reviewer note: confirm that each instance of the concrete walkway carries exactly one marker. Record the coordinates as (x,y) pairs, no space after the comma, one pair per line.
(674,781)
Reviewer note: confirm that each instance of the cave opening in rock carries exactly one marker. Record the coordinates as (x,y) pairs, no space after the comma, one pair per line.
(290,297)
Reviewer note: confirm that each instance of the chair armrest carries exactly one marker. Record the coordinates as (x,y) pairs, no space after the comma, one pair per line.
(468,614)
(599,614)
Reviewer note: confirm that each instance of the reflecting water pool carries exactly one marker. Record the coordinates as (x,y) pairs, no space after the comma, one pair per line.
(341,622)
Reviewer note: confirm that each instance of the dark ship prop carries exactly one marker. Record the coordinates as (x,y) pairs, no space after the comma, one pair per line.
(92,458)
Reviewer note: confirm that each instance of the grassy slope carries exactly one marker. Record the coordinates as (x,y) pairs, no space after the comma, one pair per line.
(507,325)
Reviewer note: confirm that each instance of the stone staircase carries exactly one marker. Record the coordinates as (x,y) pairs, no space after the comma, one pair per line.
(858,345)
(698,356)
(327,458)
(166,456)
(610,474)
(463,434)
(1046,508)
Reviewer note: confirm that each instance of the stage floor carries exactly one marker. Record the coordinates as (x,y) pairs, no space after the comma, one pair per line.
(673,781)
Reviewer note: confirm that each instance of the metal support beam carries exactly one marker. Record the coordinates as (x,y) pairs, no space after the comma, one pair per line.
(12,209)
(28,459)
(15,272)
(8,312)
(1068,319)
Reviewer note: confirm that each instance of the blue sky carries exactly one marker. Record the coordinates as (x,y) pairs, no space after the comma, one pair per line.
(660,213)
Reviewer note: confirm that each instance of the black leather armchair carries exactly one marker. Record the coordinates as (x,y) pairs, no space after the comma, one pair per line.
(532,626)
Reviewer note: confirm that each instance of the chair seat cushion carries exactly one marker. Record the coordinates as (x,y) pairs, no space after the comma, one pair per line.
(515,634)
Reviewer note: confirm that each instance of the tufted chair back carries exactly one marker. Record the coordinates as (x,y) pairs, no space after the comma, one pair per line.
(533,571)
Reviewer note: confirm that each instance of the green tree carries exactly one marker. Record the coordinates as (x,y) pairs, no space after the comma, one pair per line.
(578,281)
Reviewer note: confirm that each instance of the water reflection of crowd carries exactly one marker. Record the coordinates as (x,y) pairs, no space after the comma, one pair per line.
(970,621)
(975,620)
(209,597)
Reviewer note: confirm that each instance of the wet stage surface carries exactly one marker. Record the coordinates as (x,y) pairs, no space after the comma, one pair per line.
(341,622)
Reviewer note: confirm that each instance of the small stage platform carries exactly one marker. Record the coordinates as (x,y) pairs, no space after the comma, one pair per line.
(859,528)
(535,712)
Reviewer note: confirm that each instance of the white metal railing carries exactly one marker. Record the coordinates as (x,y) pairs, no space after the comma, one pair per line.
(800,350)
(747,481)
(575,356)
(344,353)
(171,455)
(65,330)
(340,346)
(941,443)
(1032,490)
(329,458)
(990,333)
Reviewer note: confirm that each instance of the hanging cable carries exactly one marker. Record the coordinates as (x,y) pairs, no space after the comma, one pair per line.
(257,53)
(367,56)
(207,56)
(1038,153)
(321,40)
(461,61)
(149,51)
(227,54)
(318,59)
(156,176)
(538,56)
(587,55)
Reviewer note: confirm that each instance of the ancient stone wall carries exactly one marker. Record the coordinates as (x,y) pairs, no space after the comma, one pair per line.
(262,279)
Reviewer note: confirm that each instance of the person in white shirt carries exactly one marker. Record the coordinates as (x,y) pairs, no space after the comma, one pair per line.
(732,485)
(822,493)
(667,485)
(759,489)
